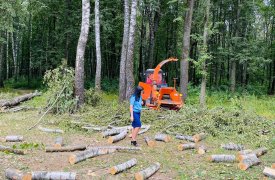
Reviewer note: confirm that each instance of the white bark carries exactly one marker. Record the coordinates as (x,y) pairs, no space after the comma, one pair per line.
(97,43)
(79,67)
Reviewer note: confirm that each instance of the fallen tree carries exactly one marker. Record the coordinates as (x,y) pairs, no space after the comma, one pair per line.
(146,173)
(19,99)
(121,167)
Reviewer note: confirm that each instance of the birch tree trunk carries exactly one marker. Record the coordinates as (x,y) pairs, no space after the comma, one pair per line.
(7,55)
(204,69)
(98,51)
(186,46)
(124,49)
(80,52)
(130,81)
(1,64)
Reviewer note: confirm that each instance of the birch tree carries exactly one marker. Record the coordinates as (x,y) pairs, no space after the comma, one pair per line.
(98,51)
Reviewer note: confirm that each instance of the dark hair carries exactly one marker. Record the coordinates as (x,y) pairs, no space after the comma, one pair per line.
(137,93)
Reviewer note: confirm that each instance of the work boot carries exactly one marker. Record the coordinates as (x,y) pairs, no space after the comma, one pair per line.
(134,143)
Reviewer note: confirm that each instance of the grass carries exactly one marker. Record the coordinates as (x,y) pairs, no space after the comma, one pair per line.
(238,121)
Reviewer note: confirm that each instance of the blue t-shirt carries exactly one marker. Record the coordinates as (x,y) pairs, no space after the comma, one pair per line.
(136,104)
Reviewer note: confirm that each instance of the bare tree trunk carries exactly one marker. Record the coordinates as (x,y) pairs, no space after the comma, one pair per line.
(79,67)
(186,46)
(30,46)
(124,49)
(7,56)
(130,81)
(14,42)
(1,63)
(98,51)
(204,68)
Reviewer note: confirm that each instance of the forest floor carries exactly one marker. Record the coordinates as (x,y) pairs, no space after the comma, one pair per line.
(175,164)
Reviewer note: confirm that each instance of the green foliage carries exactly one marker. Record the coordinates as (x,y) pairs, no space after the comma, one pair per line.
(93,97)
(28,146)
(23,82)
(60,83)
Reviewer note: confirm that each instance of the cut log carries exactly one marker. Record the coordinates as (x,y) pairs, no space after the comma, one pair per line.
(50,130)
(232,146)
(199,137)
(66,149)
(144,128)
(38,175)
(95,128)
(118,137)
(269,172)
(246,156)
(12,139)
(11,150)
(111,132)
(248,162)
(19,99)
(162,137)
(244,152)
(259,152)
(150,142)
(75,158)
(202,149)
(182,147)
(273,166)
(146,173)
(118,148)
(222,158)
(121,167)
(185,137)
(58,142)
(14,174)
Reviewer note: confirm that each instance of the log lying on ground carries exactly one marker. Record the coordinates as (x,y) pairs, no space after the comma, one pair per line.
(185,137)
(15,174)
(269,172)
(38,175)
(66,149)
(162,137)
(182,147)
(202,149)
(146,173)
(111,132)
(118,137)
(222,158)
(121,167)
(259,152)
(244,152)
(150,142)
(50,130)
(11,150)
(118,148)
(90,153)
(14,138)
(199,137)
(19,99)
(232,146)
(58,143)
(95,128)
(144,128)
(248,162)
(246,156)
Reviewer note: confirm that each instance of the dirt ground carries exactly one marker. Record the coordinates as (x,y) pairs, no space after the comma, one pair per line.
(174,164)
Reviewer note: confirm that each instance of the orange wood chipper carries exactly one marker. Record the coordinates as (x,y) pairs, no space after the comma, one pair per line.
(156,92)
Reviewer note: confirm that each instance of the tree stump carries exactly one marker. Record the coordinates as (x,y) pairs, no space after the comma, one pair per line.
(58,142)
(13,138)
(150,142)
(248,162)
(182,147)
(162,137)
(11,150)
(38,175)
(232,146)
(269,172)
(121,167)
(146,173)
(199,137)
(15,174)
(184,137)
(66,149)
(75,158)
(118,137)
(222,158)
(202,149)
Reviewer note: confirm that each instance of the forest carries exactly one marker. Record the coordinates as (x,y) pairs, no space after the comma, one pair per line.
(69,68)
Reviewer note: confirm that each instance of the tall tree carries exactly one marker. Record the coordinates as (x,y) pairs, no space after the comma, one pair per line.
(124,49)
(130,80)
(204,69)
(1,60)
(98,51)
(80,52)
(184,65)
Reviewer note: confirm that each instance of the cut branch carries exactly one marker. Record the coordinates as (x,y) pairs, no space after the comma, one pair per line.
(66,149)
(222,158)
(146,173)
(121,167)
